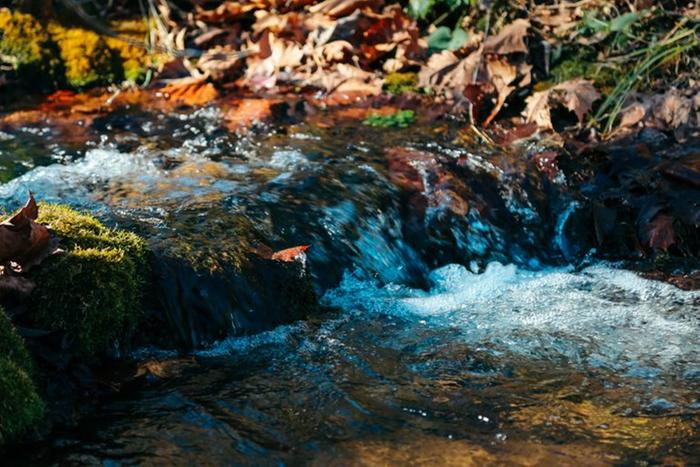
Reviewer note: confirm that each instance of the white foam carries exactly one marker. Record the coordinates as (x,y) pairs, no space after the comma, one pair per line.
(600,316)
(242,344)
(76,181)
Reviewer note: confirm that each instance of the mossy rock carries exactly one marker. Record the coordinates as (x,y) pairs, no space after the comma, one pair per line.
(87,58)
(29,49)
(20,404)
(94,290)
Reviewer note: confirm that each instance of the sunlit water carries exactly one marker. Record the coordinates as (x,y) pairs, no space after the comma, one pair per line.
(520,355)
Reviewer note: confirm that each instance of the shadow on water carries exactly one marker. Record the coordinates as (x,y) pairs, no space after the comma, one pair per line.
(459,334)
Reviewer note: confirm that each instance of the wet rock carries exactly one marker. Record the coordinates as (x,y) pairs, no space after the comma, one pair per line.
(197,307)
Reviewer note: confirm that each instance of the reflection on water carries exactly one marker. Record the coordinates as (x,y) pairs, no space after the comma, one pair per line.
(422,360)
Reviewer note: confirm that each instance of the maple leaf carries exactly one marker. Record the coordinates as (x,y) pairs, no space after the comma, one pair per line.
(576,95)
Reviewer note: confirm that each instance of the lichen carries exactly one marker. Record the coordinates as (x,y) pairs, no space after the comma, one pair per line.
(29,50)
(94,290)
(20,405)
(87,58)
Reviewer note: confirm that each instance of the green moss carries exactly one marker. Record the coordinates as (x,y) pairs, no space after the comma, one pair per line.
(28,48)
(582,64)
(87,58)
(94,290)
(12,346)
(400,119)
(222,240)
(398,83)
(20,405)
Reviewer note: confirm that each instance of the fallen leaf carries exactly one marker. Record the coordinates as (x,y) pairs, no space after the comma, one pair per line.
(337,8)
(576,95)
(672,109)
(228,11)
(24,241)
(510,39)
(189,91)
(290,254)
(501,74)
(219,61)
(632,114)
(659,233)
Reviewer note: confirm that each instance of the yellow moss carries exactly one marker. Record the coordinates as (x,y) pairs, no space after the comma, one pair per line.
(135,60)
(398,83)
(88,59)
(27,47)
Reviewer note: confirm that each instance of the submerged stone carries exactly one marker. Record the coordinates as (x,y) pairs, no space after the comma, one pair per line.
(216,286)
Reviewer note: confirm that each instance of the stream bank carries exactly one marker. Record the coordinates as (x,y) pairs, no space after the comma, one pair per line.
(405,228)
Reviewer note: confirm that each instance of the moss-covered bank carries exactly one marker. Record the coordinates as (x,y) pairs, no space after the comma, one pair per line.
(48,56)
(92,292)
(27,47)
(20,404)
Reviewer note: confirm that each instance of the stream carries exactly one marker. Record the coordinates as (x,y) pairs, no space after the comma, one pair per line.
(463,322)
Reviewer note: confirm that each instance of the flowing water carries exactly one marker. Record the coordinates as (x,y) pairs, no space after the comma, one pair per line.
(464,325)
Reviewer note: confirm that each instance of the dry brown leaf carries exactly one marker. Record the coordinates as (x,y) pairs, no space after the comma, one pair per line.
(510,39)
(228,11)
(24,241)
(446,71)
(337,8)
(576,95)
(632,114)
(501,74)
(219,61)
(672,109)
(189,91)
(659,233)
(276,55)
